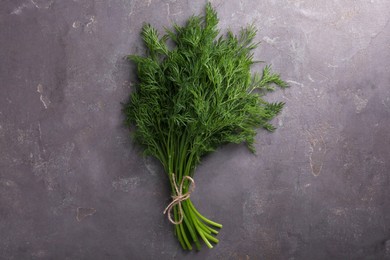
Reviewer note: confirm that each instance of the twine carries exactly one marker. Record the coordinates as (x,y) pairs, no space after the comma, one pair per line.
(179,197)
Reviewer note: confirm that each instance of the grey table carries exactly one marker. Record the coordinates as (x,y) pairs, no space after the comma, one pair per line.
(74,186)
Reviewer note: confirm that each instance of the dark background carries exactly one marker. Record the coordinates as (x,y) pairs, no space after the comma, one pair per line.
(74,186)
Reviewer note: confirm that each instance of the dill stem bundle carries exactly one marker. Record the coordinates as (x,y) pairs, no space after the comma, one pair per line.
(193,98)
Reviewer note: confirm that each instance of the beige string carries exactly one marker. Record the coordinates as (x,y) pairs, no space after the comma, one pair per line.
(179,197)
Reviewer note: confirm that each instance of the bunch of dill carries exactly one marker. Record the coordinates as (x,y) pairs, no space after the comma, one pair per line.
(193,98)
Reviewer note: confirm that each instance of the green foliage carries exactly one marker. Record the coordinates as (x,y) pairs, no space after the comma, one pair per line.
(199,95)
(201,89)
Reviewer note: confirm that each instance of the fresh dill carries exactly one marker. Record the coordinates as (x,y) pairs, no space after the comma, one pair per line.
(193,98)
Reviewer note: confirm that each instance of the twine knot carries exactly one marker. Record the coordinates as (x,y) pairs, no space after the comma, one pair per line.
(179,197)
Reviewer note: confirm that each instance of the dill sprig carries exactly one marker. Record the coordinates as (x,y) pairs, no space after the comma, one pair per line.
(193,98)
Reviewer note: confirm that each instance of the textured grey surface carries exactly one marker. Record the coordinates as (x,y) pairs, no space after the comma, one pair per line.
(73,185)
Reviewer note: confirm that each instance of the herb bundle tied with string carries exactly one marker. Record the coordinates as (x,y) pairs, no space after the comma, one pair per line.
(193,98)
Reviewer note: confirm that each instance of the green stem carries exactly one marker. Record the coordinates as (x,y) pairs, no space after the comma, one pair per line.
(183,156)
(201,234)
(211,238)
(185,236)
(208,221)
(180,162)
(191,228)
(180,238)
(204,226)
(177,229)
(200,224)
(206,231)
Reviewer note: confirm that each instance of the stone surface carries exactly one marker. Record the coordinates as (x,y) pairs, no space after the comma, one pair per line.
(74,186)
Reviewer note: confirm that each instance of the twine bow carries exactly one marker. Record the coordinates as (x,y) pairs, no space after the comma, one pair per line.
(179,197)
